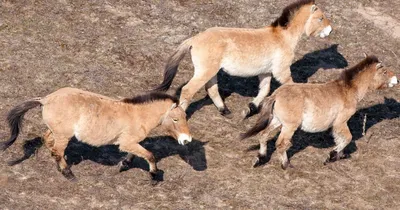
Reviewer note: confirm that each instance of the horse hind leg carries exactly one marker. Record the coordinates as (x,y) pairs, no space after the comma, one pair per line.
(264,88)
(58,152)
(283,144)
(269,133)
(212,91)
(204,70)
(48,139)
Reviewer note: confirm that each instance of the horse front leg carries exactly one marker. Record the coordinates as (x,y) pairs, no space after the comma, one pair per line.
(342,136)
(138,150)
(213,93)
(124,164)
(281,71)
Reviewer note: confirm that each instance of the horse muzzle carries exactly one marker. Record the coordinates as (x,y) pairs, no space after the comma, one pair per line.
(184,139)
(325,32)
(393,81)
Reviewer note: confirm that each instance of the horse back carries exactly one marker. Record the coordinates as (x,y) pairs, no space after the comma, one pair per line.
(240,52)
(90,117)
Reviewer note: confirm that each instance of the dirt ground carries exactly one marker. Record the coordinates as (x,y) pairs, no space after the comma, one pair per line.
(119,48)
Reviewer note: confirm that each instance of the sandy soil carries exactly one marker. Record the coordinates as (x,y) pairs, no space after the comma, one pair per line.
(119,48)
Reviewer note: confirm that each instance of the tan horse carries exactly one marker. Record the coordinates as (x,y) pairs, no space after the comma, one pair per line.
(242,52)
(99,120)
(318,107)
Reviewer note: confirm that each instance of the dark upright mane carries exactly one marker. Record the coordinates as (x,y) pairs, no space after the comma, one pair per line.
(150,97)
(288,11)
(350,73)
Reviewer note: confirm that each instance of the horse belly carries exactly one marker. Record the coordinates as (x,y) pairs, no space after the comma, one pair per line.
(316,122)
(96,132)
(94,139)
(246,67)
(245,70)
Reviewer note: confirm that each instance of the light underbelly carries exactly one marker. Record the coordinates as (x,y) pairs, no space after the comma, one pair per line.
(316,122)
(95,137)
(314,128)
(242,68)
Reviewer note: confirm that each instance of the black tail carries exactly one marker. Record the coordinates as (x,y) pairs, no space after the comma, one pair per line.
(264,119)
(172,65)
(14,118)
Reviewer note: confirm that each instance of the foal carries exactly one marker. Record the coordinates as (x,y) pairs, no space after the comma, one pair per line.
(99,120)
(318,107)
(243,52)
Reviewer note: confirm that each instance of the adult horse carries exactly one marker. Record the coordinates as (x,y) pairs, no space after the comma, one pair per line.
(318,107)
(99,120)
(263,52)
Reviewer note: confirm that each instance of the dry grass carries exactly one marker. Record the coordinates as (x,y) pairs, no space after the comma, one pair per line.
(118,48)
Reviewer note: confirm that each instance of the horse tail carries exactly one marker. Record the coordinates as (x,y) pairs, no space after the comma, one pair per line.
(15,117)
(264,119)
(172,65)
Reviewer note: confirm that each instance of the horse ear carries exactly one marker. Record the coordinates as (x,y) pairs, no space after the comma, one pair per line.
(365,54)
(314,8)
(173,106)
(183,103)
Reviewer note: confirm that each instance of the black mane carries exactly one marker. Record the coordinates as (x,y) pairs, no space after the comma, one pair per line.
(349,74)
(150,97)
(288,11)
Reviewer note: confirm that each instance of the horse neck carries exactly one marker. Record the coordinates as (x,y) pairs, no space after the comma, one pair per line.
(361,82)
(296,27)
(151,114)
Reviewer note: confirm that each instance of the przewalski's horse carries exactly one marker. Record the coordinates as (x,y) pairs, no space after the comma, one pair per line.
(99,120)
(243,52)
(318,107)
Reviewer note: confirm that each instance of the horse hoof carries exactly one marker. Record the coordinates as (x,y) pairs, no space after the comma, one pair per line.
(123,166)
(67,173)
(245,113)
(58,167)
(249,111)
(257,163)
(260,160)
(226,113)
(286,165)
(157,176)
(333,156)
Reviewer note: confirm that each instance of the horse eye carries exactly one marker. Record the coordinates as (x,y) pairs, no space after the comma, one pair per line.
(385,72)
(321,19)
(175,120)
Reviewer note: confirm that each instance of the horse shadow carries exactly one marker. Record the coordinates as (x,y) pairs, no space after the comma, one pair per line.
(161,147)
(301,70)
(30,148)
(327,58)
(390,109)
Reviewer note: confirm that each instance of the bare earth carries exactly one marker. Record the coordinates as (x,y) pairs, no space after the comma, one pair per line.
(119,48)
